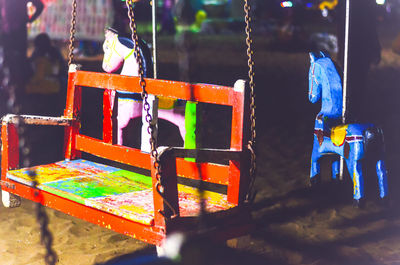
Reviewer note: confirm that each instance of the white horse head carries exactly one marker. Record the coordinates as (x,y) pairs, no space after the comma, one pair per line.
(118,51)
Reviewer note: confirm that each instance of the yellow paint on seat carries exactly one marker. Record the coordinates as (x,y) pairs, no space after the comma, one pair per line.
(338,134)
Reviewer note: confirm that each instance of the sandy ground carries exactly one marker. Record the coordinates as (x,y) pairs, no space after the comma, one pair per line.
(293,224)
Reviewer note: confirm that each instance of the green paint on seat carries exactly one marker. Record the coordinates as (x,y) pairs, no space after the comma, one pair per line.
(92,187)
(129,177)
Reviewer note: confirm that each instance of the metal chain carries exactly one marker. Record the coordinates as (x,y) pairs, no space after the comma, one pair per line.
(42,218)
(251,144)
(72,33)
(46,237)
(146,107)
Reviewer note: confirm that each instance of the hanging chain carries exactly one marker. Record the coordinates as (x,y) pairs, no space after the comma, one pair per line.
(8,83)
(251,144)
(46,238)
(72,34)
(146,107)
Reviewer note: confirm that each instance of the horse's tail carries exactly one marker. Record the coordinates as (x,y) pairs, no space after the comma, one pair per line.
(374,141)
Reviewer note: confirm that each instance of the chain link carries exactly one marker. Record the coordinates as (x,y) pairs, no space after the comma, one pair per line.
(72,34)
(146,107)
(251,144)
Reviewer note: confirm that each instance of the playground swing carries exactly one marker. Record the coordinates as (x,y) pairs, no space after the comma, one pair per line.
(143,207)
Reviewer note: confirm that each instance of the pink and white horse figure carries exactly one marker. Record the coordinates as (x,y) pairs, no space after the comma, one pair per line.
(118,51)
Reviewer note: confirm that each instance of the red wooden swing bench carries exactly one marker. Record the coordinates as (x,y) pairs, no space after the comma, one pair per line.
(125,201)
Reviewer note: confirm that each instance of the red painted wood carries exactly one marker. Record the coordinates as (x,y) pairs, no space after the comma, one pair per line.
(239,170)
(73,111)
(122,154)
(69,109)
(170,192)
(213,173)
(173,89)
(107,117)
(9,149)
(237,121)
(159,220)
(234,181)
(149,234)
(70,132)
(4,151)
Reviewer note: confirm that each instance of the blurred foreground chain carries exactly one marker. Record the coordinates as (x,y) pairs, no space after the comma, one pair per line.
(146,107)
(9,85)
(46,238)
(252,142)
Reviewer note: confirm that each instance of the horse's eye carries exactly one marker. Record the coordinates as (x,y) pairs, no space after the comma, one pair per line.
(105,46)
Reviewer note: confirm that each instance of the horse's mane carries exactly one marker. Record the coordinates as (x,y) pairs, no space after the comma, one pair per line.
(338,68)
(326,54)
(145,53)
(126,42)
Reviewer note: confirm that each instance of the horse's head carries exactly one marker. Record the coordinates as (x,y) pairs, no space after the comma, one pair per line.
(112,59)
(325,84)
(314,76)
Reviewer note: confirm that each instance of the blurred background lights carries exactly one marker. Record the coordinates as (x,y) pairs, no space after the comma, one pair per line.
(286,4)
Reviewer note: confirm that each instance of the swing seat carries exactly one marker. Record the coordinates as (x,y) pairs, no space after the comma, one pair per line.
(145,206)
(120,192)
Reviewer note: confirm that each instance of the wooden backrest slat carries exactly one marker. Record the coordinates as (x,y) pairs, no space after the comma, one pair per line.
(214,173)
(135,157)
(122,154)
(214,94)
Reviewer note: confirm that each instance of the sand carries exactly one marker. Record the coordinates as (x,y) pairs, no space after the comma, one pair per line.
(293,224)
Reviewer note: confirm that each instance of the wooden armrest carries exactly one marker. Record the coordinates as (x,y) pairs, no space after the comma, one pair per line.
(203,154)
(37,120)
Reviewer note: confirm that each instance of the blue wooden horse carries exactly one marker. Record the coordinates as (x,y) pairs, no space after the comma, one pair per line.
(350,141)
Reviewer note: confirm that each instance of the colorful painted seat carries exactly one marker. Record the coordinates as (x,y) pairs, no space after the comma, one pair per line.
(113,190)
(126,201)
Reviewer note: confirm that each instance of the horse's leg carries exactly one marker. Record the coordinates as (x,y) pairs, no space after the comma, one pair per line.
(127,109)
(382,178)
(355,170)
(315,174)
(336,169)
(153,111)
(175,116)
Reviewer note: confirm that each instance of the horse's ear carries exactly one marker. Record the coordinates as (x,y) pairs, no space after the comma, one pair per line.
(324,54)
(110,32)
(312,57)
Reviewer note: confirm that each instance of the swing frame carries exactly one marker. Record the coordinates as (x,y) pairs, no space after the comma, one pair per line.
(236,221)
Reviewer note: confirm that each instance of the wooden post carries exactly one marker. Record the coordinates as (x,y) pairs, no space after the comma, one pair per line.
(170,189)
(108,122)
(73,111)
(239,170)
